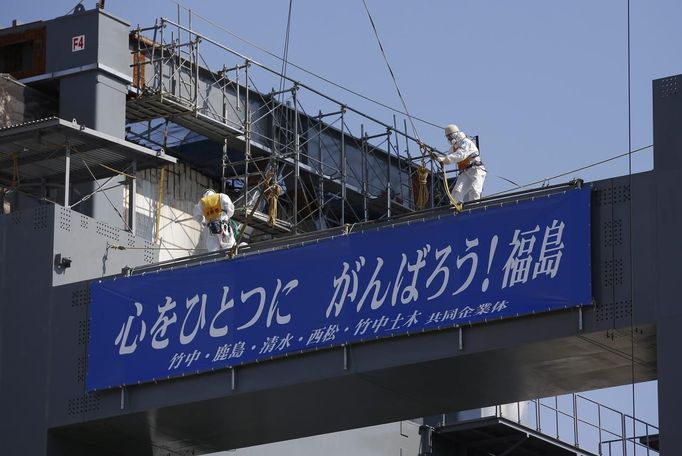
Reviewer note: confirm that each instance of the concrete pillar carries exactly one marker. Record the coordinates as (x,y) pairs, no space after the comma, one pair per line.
(667,110)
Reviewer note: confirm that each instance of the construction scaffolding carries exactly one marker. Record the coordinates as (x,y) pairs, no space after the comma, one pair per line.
(321,170)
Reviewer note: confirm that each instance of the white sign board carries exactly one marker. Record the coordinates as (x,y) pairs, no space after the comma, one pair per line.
(78,43)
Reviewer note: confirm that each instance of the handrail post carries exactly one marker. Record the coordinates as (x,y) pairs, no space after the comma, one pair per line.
(297,169)
(599,426)
(365,177)
(625,446)
(196,75)
(343,166)
(247,137)
(575,421)
(388,173)
(537,415)
(556,414)
(320,184)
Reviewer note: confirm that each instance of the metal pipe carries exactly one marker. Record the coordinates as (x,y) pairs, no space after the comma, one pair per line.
(625,445)
(575,421)
(537,415)
(293,89)
(224,165)
(432,202)
(178,24)
(67,173)
(297,169)
(379,135)
(320,196)
(336,113)
(275,72)
(401,187)
(159,74)
(196,70)
(237,86)
(410,191)
(556,414)
(388,174)
(343,166)
(599,426)
(247,137)
(234,68)
(223,86)
(132,191)
(365,183)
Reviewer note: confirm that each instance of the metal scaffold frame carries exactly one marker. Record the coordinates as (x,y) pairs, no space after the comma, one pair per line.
(326,174)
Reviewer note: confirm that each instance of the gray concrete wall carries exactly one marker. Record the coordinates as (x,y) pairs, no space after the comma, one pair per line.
(26,308)
(178,235)
(93,247)
(43,325)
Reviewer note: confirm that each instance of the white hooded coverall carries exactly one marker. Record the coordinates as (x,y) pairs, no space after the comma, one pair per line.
(469,183)
(225,207)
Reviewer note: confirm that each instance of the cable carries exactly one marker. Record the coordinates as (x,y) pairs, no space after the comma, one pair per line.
(73,9)
(395,82)
(547,179)
(285,56)
(308,72)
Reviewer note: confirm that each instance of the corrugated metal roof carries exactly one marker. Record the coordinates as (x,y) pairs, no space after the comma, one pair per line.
(38,149)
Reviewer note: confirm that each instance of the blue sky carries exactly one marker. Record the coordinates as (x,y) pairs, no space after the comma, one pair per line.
(543,83)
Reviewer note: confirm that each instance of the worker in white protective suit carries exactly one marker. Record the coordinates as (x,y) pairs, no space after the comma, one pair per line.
(214,211)
(463,152)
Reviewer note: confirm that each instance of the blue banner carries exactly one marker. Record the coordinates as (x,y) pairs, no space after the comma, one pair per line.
(518,259)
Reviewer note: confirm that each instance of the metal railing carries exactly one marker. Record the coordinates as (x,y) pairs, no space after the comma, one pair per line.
(336,167)
(584,424)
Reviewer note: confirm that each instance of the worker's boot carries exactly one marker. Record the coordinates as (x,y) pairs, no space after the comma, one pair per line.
(457,207)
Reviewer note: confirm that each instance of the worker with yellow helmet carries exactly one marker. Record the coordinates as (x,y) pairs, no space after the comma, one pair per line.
(214,211)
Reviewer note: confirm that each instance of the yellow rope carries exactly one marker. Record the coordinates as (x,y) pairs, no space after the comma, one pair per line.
(422,194)
(117,171)
(422,173)
(456,205)
(272,193)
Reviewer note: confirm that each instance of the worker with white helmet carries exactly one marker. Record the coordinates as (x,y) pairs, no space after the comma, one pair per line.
(214,211)
(464,153)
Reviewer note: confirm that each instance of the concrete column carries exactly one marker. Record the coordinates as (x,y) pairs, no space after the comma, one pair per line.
(667,110)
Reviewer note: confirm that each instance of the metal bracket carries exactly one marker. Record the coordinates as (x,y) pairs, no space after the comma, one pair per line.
(123,397)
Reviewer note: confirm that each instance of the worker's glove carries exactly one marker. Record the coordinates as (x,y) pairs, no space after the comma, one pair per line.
(439,158)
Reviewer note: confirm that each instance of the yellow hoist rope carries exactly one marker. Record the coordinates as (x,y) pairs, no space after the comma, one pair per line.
(422,173)
(422,194)
(456,205)
(272,193)
(117,171)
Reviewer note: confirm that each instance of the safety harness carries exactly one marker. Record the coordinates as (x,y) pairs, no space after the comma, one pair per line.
(469,162)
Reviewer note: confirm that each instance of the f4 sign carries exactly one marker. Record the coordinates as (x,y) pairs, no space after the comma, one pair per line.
(78,43)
